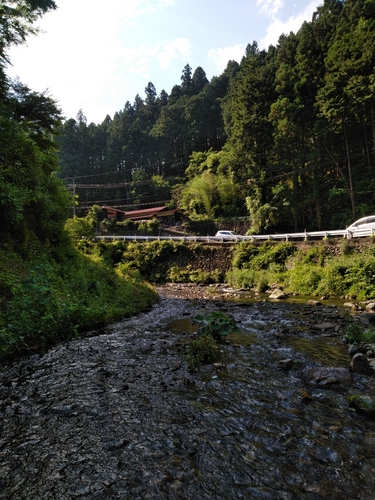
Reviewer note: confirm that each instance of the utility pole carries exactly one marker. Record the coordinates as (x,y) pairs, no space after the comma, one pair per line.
(74,198)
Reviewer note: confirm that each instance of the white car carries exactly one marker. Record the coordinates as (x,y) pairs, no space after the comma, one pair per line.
(226,235)
(362,227)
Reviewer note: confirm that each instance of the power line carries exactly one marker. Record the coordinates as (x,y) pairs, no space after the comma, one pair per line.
(126,205)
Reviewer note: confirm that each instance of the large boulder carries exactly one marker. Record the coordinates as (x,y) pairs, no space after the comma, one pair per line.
(323,376)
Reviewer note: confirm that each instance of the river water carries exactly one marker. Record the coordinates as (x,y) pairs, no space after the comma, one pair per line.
(118,415)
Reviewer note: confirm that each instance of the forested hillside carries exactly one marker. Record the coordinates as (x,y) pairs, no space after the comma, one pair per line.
(286,137)
(48,290)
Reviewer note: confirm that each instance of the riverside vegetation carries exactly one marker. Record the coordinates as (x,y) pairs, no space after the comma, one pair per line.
(326,268)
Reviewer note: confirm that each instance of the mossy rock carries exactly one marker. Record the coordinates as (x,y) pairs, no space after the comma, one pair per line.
(363,404)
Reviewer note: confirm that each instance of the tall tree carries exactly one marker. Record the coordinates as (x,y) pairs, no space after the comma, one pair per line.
(187,80)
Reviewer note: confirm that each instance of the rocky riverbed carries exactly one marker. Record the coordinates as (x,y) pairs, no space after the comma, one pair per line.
(118,415)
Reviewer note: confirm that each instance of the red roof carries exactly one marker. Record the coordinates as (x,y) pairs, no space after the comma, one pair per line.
(113,209)
(148,213)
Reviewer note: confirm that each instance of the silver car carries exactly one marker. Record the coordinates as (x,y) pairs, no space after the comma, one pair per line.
(362,227)
(226,235)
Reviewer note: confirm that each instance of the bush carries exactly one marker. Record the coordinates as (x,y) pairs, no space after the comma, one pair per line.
(355,334)
(201,350)
(187,274)
(304,278)
(213,327)
(58,300)
(248,256)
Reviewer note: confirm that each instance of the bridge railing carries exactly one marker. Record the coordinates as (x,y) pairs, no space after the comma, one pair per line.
(306,235)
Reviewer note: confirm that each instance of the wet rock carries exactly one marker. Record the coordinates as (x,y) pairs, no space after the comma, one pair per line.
(326,376)
(366,318)
(304,395)
(370,306)
(279,335)
(363,404)
(219,366)
(354,349)
(278,294)
(351,305)
(322,327)
(360,364)
(313,303)
(285,364)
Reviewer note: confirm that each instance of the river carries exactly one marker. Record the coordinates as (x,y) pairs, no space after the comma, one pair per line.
(118,415)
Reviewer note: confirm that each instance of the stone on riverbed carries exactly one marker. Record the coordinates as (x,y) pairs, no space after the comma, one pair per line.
(363,404)
(322,327)
(360,364)
(278,294)
(326,376)
(313,303)
(285,364)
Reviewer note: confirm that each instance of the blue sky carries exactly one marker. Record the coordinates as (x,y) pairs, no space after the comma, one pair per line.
(95,55)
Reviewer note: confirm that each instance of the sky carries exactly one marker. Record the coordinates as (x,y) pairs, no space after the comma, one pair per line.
(95,56)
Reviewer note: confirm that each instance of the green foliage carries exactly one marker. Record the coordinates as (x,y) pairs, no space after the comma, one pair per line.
(356,334)
(248,256)
(53,300)
(216,324)
(152,259)
(49,291)
(187,274)
(308,270)
(150,227)
(315,255)
(200,226)
(305,279)
(201,350)
(94,218)
(263,217)
(213,328)
(33,200)
(78,228)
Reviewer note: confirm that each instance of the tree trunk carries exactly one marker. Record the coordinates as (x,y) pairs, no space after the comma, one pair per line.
(349,169)
(373,128)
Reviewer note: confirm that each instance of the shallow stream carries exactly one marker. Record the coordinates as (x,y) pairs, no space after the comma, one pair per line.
(118,415)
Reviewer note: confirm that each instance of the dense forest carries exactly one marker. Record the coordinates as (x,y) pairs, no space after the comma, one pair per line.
(286,137)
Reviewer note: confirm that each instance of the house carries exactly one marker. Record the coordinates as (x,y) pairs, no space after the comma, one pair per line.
(164,214)
(114,214)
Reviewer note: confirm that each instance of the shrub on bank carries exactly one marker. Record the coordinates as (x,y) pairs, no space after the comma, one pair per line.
(309,271)
(50,299)
(187,274)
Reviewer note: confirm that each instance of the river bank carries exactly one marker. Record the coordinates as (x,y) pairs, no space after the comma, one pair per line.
(118,415)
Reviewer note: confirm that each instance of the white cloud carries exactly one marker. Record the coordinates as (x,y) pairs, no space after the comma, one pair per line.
(270,7)
(180,48)
(140,59)
(277,27)
(221,57)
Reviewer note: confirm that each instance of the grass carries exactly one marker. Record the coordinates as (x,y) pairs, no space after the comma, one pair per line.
(308,271)
(52,297)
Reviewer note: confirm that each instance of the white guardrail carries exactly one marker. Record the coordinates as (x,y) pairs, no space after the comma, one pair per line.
(343,233)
